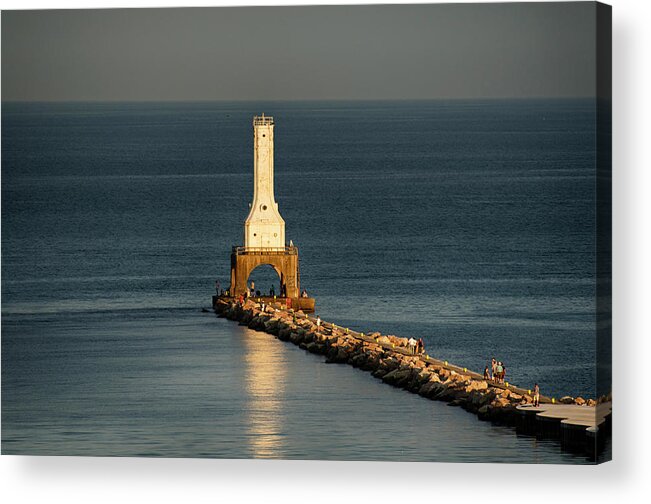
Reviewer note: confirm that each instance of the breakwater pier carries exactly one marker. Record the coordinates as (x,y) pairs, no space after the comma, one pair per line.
(579,425)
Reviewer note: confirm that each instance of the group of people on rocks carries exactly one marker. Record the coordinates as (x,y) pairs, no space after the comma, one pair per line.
(416,346)
(496,372)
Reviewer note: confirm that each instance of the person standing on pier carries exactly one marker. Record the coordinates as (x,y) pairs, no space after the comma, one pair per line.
(493,369)
(536,395)
(272,291)
(318,324)
(486,373)
(498,372)
(412,345)
(218,287)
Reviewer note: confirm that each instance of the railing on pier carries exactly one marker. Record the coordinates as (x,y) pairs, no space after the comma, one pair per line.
(287,250)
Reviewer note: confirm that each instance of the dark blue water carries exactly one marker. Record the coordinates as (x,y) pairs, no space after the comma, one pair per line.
(469,224)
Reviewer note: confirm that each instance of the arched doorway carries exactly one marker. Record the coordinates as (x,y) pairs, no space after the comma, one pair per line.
(266,280)
(285,263)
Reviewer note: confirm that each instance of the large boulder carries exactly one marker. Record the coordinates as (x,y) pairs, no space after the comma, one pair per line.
(445,392)
(294,337)
(391,363)
(342,356)
(358,360)
(372,361)
(476,385)
(312,347)
(271,326)
(423,376)
(426,388)
(285,334)
(379,372)
(579,401)
(396,376)
(500,402)
(414,381)
(513,397)
(253,323)
(505,393)
(434,390)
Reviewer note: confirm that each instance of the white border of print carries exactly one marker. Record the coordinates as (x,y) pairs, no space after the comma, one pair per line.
(110,480)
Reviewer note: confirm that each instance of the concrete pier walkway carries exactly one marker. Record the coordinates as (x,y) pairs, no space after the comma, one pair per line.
(579,428)
(588,416)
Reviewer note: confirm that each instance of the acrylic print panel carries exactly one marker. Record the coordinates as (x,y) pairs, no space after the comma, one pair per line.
(342,233)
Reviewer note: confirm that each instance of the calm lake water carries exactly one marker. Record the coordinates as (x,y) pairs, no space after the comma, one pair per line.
(469,224)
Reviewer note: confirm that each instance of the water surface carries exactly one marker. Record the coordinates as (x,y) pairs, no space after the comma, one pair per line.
(469,224)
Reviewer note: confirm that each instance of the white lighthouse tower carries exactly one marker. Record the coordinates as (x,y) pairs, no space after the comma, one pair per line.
(264,228)
(264,232)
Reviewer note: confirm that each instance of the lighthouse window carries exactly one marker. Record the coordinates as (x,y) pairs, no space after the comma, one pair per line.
(255,234)
(263,135)
(264,207)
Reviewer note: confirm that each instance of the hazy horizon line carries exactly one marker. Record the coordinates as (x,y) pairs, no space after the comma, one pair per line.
(243,100)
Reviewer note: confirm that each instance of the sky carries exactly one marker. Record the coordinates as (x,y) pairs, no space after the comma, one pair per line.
(444,51)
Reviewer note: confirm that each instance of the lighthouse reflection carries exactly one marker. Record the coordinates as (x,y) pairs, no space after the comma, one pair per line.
(265,388)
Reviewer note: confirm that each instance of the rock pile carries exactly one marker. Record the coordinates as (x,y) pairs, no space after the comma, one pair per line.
(380,357)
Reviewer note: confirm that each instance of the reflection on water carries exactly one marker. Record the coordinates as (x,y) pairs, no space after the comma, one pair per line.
(265,391)
(184,384)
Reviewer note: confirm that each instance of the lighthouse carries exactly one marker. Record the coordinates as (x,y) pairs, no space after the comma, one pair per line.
(264,232)
(264,228)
